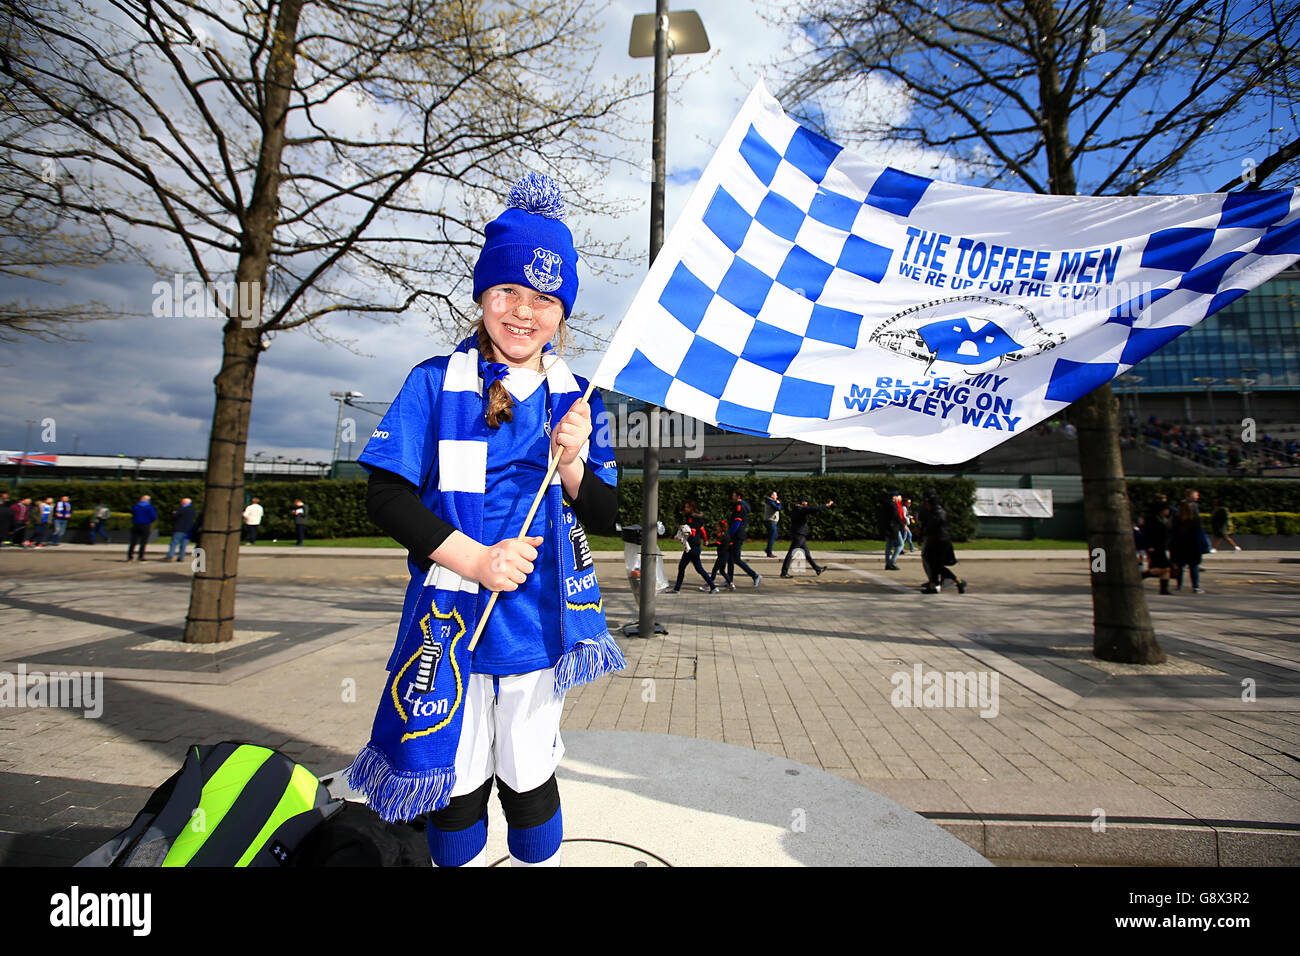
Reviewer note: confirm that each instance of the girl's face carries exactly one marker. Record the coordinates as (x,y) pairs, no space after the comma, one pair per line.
(520,321)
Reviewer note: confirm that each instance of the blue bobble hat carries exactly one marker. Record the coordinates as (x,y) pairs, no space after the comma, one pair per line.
(529,244)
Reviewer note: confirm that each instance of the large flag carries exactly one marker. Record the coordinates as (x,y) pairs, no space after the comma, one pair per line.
(806,293)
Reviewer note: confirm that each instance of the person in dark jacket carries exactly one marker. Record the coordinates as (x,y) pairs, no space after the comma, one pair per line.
(182,522)
(6,520)
(693,536)
(772,518)
(20,510)
(1185,545)
(722,543)
(891,526)
(299,514)
(737,532)
(1155,539)
(936,545)
(143,516)
(799,534)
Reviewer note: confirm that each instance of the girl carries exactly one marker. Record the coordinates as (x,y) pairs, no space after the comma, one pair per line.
(723,543)
(693,544)
(454,468)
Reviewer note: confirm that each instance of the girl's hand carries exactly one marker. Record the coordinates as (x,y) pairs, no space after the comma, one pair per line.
(572,433)
(505,565)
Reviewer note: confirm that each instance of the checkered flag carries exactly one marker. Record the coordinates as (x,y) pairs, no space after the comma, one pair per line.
(806,293)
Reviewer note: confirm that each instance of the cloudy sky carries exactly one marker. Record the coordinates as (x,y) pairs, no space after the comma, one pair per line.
(143,386)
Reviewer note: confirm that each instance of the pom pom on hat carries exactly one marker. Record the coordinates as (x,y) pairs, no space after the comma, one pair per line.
(539,194)
(529,244)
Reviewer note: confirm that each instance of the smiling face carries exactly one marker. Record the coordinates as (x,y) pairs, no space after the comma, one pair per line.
(520,321)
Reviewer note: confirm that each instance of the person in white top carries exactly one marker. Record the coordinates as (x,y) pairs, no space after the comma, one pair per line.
(252,518)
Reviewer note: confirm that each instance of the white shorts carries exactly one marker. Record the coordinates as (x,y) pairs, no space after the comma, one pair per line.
(511,731)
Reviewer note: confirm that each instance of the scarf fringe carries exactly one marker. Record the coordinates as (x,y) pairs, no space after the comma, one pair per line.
(587,661)
(398,795)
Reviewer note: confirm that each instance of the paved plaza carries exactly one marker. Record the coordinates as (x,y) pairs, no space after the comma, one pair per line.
(841,686)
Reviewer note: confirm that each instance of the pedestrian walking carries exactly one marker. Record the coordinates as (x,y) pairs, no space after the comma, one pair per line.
(143,516)
(182,521)
(722,545)
(454,469)
(99,522)
(891,526)
(1155,538)
(936,545)
(799,534)
(908,520)
(693,536)
(6,522)
(21,511)
(737,531)
(1221,527)
(44,515)
(62,514)
(1186,546)
(253,519)
(772,517)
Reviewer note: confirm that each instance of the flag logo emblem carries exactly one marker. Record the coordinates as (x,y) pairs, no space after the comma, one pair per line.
(970,333)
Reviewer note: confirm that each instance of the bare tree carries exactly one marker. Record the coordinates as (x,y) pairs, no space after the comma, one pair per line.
(1082,96)
(306,160)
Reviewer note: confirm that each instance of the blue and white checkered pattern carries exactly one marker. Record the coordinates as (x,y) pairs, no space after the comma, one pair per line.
(763,310)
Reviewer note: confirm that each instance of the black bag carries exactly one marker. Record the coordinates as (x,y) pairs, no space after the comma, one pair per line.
(235,804)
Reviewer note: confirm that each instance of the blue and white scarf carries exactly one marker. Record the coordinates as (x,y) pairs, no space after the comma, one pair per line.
(408,768)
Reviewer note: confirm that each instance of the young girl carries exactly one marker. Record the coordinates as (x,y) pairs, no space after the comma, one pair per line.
(454,468)
(692,546)
(723,543)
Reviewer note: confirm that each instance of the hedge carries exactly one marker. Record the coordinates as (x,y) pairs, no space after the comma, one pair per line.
(1237,495)
(337,509)
(1261,522)
(859,501)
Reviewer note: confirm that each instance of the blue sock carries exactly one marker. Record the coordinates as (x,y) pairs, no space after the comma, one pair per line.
(539,843)
(457,847)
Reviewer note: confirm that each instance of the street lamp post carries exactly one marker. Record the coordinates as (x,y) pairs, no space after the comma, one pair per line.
(341,398)
(681,32)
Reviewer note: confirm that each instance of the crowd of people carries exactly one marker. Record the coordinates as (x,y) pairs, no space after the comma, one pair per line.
(1218,447)
(43,523)
(897,522)
(1170,539)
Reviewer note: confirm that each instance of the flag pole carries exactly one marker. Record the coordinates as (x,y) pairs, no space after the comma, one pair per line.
(523,532)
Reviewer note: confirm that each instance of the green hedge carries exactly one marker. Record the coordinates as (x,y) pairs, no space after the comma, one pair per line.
(859,500)
(1237,494)
(1262,522)
(335,509)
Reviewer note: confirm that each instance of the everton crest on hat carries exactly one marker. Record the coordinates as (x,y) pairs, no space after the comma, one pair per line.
(529,243)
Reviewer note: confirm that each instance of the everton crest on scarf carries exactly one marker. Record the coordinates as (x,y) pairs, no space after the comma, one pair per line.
(408,768)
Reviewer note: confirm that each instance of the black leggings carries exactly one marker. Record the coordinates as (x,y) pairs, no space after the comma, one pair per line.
(522,810)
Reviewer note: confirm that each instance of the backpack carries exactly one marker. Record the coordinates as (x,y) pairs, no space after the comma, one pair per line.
(236,804)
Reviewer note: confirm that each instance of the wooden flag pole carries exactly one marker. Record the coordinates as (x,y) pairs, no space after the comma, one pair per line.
(523,532)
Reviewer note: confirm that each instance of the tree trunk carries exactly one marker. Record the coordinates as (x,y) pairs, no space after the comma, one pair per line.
(1121,621)
(211,616)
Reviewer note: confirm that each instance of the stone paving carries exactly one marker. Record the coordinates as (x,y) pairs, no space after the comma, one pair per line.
(1179,763)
